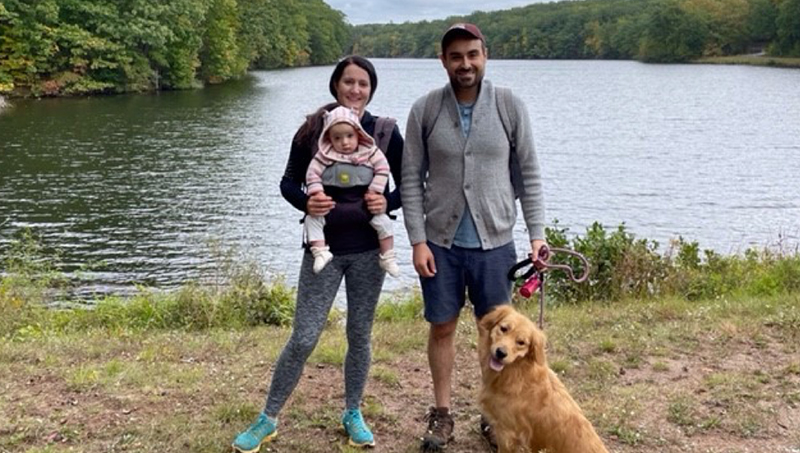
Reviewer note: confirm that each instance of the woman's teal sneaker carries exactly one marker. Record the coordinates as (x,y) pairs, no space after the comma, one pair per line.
(250,440)
(357,431)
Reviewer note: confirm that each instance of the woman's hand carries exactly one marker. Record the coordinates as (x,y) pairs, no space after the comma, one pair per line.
(376,202)
(319,204)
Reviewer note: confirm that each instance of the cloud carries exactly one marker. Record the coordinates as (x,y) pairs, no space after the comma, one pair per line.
(385,11)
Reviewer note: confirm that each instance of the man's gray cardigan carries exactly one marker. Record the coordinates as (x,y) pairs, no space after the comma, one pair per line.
(456,171)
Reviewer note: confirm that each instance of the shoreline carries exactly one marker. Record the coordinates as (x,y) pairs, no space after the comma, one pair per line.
(747,60)
(751,60)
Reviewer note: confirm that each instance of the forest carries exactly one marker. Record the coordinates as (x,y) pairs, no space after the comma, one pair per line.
(70,47)
(76,47)
(658,31)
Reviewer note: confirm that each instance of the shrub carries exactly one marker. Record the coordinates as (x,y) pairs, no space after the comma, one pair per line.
(620,265)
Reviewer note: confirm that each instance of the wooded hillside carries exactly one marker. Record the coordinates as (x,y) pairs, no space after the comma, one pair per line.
(647,30)
(57,47)
(74,47)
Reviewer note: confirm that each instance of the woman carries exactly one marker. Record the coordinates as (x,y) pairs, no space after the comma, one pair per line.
(354,245)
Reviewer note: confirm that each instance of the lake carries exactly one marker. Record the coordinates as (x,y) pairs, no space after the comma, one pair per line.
(139,189)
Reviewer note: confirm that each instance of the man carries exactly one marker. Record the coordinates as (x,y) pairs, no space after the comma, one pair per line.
(459,204)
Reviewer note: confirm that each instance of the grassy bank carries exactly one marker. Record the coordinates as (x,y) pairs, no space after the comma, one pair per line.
(653,376)
(753,60)
(674,351)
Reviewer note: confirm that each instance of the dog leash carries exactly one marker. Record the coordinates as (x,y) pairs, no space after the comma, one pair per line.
(533,273)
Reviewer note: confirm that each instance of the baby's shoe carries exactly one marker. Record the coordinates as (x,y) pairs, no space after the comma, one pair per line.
(389,263)
(322,256)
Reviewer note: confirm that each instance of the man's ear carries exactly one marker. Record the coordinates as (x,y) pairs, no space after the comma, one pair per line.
(493,317)
(443,59)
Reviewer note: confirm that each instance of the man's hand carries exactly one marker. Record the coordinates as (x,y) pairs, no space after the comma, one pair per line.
(376,202)
(423,260)
(536,245)
(319,205)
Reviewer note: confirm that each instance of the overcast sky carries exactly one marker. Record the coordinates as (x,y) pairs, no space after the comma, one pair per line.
(398,11)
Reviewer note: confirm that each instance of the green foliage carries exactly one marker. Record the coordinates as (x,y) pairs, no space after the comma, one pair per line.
(623,267)
(726,21)
(408,309)
(29,271)
(247,302)
(649,30)
(328,34)
(72,47)
(620,265)
(220,56)
(762,20)
(673,35)
(276,34)
(28,278)
(244,299)
(788,29)
(238,296)
(179,59)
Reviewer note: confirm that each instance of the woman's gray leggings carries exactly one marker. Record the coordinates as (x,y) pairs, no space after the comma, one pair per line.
(315,294)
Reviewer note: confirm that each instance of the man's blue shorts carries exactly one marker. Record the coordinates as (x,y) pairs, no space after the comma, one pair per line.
(482,274)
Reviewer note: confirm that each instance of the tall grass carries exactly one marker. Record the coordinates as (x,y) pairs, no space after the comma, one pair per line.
(238,295)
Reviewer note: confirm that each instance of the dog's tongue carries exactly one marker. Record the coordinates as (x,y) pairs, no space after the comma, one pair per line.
(495,364)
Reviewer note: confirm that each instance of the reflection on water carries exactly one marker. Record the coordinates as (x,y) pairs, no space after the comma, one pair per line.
(140,185)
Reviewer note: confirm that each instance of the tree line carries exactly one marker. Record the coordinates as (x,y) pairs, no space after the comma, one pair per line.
(73,47)
(68,47)
(662,31)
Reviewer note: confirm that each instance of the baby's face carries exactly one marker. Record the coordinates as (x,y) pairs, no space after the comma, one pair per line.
(343,137)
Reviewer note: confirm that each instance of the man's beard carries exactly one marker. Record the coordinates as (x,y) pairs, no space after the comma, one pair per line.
(468,82)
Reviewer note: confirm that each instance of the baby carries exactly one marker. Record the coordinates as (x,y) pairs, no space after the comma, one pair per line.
(344,143)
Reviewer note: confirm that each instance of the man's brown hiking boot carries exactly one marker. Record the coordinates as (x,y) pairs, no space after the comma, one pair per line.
(440,430)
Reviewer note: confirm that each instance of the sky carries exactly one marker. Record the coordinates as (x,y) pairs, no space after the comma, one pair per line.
(398,11)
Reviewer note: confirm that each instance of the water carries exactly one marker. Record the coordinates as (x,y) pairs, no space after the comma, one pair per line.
(137,187)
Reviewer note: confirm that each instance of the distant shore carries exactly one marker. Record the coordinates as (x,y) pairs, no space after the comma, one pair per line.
(753,60)
(746,59)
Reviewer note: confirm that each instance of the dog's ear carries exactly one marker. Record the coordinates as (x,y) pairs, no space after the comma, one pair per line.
(493,317)
(536,352)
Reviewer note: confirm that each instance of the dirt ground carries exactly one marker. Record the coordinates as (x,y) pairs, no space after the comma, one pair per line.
(406,404)
(196,395)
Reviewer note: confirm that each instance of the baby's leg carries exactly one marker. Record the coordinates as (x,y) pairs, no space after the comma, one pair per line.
(315,236)
(386,244)
(314,227)
(383,225)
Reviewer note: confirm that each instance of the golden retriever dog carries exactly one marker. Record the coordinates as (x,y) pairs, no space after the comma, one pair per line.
(528,406)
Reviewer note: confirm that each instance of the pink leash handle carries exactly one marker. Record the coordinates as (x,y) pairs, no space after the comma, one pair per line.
(534,276)
(566,268)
